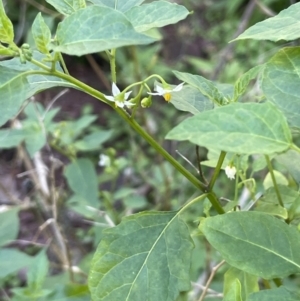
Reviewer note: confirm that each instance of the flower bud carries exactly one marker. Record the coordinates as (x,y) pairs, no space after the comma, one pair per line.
(146,102)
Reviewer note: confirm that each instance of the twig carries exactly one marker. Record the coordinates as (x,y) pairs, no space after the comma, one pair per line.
(266,10)
(212,274)
(43,9)
(202,177)
(187,160)
(228,49)
(98,71)
(60,94)
(21,22)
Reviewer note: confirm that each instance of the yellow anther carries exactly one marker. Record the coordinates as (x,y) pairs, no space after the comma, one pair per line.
(167,97)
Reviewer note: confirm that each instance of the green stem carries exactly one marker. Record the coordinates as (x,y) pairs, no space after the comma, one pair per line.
(217,171)
(63,64)
(96,94)
(274,181)
(236,189)
(295,147)
(197,199)
(112,60)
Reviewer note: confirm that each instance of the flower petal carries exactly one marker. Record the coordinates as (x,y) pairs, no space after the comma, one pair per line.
(115,90)
(160,90)
(153,93)
(178,88)
(110,98)
(120,104)
(129,104)
(127,95)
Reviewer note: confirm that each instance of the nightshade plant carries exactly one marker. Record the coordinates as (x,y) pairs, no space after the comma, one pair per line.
(148,255)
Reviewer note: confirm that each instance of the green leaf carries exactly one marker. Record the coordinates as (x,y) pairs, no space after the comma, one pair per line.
(205,86)
(82,179)
(275,294)
(244,128)
(239,235)
(234,292)
(6,51)
(95,29)
(248,282)
(243,82)
(38,272)
(290,198)
(280,179)
(35,136)
(41,34)
(9,225)
(284,26)
(16,86)
(12,260)
(93,141)
(121,5)
(281,83)
(6,27)
(11,137)
(146,257)
(288,160)
(67,7)
(155,14)
(190,100)
(272,209)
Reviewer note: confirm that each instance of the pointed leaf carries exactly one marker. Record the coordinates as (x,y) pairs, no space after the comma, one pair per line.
(38,272)
(288,160)
(41,34)
(82,179)
(243,82)
(97,28)
(6,27)
(281,83)
(93,141)
(67,7)
(205,86)
(240,235)
(155,14)
(12,260)
(275,294)
(146,257)
(190,100)
(11,137)
(121,5)
(9,226)
(273,209)
(284,26)
(248,282)
(234,291)
(6,51)
(16,86)
(246,128)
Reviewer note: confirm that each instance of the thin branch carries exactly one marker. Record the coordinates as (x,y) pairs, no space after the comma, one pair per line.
(229,48)
(42,8)
(187,160)
(212,274)
(202,177)
(100,74)
(266,10)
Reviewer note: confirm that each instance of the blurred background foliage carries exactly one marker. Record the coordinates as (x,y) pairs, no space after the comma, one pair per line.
(54,160)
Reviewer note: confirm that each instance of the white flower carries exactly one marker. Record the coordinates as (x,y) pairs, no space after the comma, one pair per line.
(119,98)
(104,160)
(166,93)
(230,172)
